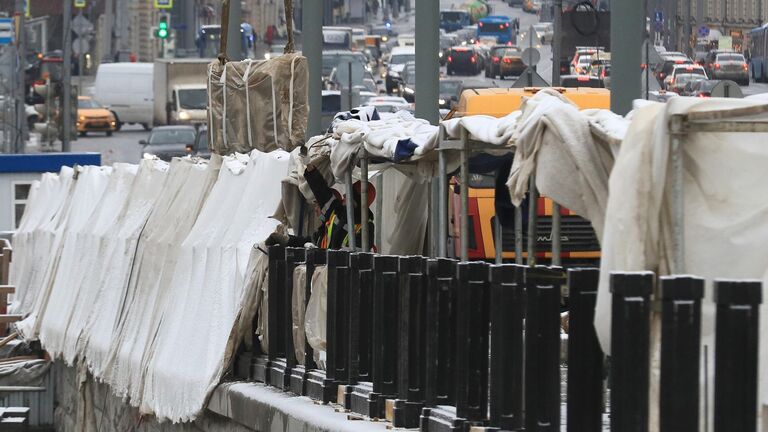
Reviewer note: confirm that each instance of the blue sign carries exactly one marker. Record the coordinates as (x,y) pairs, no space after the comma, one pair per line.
(6,31)
(703,31)
(658,16)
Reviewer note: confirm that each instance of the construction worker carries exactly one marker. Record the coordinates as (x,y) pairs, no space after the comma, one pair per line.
(333,231)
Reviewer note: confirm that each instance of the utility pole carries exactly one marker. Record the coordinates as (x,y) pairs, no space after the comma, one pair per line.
(20,112)
(627,30)
(66,80)
(234,38)
(557,41)
(312,47)
(687,31)
(427,61)
(106,42)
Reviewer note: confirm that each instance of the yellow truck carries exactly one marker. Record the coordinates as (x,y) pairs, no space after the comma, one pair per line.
(579,243)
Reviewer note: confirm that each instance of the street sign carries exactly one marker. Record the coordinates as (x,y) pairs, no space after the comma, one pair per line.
(6,31)
(703,31)
(81,45)
(727,89)
(163,4)
(529,78)
(81,26)
(531,56)
(80,4)
(658,16)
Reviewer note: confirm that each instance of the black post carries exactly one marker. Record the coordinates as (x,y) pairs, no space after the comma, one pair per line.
(585,357)
(507,314)
(542,349)
(384,360)
(472,329)
(280,366)
(680,353)
(337,322)
(440,332)
(361,265)
(300,372)
(410,365)
(274,301)
(630,333)
(737,338)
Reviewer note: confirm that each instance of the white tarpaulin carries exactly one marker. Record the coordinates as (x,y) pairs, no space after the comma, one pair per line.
(35,238)
(726,209)
(88,188)
(208,287)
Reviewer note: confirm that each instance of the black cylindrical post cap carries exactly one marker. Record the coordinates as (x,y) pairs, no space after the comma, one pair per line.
(503,273)
(361,260)
(277,251)
(441,267)
(738,291)
(412,264)
(632,284)
(583,280)
(295,254)
(472,271)
(385,263)
(681,288)
(338,258)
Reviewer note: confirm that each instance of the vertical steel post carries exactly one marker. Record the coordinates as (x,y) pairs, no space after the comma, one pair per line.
(737,346)
(498,240)
(428,63)
(518,235)
(533,216)
(555,234)
(442,202)
(585,357)
(542,349)
(66,80)
(109,8)
(627,29)
(348,200)
(20,115)
(234,37)
(312,48)
(680,353)
(678,192)
(507,315)
(379,211)
(557,41)
(464,222)
(364,228)
(630,344)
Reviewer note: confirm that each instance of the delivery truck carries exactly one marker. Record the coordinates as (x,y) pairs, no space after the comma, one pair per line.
(180,91)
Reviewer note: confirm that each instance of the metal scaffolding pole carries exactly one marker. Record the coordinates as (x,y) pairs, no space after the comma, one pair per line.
(66,81)
(312,47)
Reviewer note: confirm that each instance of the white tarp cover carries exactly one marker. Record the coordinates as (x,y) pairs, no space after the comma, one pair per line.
(36,236)
(209,286)
(726,209)
(88,188)
(153,267)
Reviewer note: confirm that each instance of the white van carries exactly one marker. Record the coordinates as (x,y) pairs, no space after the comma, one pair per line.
(126,90)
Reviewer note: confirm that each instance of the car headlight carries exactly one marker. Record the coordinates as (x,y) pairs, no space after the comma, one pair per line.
(267,56)
(82,118)
(184,116)
(384,38)
(441,101)
(409,90)
(440,54)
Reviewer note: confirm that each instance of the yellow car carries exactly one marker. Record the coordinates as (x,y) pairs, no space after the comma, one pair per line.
(92,117)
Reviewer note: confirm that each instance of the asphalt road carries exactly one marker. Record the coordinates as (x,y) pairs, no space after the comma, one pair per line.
(123,146)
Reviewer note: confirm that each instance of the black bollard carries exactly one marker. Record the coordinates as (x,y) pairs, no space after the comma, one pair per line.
(737,339)
(630,333)
(542,349)
(275,277)
(440,332)
(585,357)
(361,264)
(507,314)
(472,329)
(411,345)
(680,353)
(300,372)
(338,310)
(384,359)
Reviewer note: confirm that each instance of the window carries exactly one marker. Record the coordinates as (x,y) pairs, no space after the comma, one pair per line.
(20,196)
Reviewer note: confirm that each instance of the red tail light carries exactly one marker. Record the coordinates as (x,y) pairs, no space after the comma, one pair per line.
(495,59)
(602,73)
(717,65)
(690,68)
(480,24)
(473,59)
(450,59)
(745,66)
(679,61)
(508,60)
(583,78)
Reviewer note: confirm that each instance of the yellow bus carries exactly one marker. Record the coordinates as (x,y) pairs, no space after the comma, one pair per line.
(579,243)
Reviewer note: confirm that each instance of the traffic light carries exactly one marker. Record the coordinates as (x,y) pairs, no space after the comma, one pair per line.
(50,122)
(162,27)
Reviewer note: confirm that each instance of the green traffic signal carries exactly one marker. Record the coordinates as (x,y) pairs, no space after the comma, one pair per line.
(162,28)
